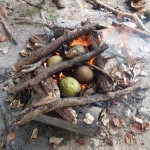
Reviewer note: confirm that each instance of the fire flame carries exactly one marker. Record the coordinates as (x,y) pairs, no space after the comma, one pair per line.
(83,40)
(83,86)
(61,75)
(92,60)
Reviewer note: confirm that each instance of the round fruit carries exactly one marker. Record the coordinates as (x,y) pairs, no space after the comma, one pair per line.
(83,74)
(69,87)
(75,51)
(54,60)
(79,48)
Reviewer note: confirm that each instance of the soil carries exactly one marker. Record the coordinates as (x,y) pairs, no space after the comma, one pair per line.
(76,11)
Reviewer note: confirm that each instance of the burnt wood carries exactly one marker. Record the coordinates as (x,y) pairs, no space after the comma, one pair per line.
(48,71)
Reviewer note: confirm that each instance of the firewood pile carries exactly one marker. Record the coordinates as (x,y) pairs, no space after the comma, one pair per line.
(72,70)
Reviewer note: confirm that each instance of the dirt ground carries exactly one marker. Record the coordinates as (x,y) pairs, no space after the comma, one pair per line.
(75,12)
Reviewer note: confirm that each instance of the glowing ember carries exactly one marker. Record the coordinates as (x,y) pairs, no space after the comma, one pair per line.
(92,60)
(83,40)
(61,75)
(83,86)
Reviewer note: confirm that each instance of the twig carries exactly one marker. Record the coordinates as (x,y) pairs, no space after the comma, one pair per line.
(34,5)
(131,29)
(134,17)
(46,50)
(34,23)
(8,31)
(101,70)
(34,66)
(32,112)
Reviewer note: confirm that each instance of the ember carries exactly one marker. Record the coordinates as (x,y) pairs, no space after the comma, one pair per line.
(83,86)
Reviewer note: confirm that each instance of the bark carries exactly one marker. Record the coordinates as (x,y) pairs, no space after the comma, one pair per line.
(56,68)
(43,52)
(34,111)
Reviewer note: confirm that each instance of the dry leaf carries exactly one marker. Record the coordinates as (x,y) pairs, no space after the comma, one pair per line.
(113,131)
(15,104)
(80,141)
(131,61)
(145,125)
(88,118)
(3,39)
(129,138)
(1,145)
(137,119)
(122,68)
(137,69)
(3,12)
(11,136)
(34,134)
(119,122)
(136,127)
(55,140)
(143,73)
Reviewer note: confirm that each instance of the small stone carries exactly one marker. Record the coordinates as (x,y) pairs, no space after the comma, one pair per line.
(55,140)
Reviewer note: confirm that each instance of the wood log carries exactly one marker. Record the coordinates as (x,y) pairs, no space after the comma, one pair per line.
(32,112)
(81,127)
(129,29)
(105,83)
(43,52)
(56,68)
(52,90)
(116,12)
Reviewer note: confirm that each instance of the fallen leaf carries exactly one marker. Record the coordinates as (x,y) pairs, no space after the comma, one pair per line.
(129,138)
(34,134)
(122,68)
(3,39)
(11,136)
(137,119)
(113,131)
(131,61)
(137,69)
(1,145)
(143,73)
(80,141)
(119,122)
(15,104)
(88,118)
(145,125)
(136,127)
(3,12)
(55,140)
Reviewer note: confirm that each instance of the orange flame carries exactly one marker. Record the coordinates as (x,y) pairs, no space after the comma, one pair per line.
(83,40)
(92,60)
(61,75)
(83,86)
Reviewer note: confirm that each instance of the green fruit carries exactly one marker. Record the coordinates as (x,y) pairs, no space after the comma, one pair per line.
(69,87)
(83,74)
(79,48)
(54,60)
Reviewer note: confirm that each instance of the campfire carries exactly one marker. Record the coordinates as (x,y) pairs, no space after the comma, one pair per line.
(74,74)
